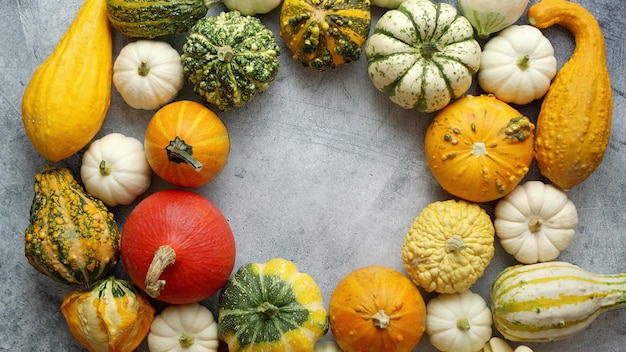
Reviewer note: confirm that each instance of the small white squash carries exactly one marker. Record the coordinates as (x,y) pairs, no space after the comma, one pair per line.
(184,328)
(148,74)
(423,55)
(490,16)
(390,4)
(458,322)
(517,65)
(327,346)
(498,344)
(115,170)
(535,222)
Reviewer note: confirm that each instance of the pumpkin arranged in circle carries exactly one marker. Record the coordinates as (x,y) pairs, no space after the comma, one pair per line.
(479,148)
(186,144)
(376,308)
(177,246)
(448,246)
(271,306)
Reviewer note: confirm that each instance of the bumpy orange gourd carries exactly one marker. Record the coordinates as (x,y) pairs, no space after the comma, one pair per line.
(186,144)
(68,96)
(574,123)
(376,308)
(479,148)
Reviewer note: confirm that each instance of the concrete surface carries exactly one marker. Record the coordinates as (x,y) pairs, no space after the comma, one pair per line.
(324,170)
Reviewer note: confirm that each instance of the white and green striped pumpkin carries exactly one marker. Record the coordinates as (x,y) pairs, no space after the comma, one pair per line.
(271,307)
(552,300)
(423,55)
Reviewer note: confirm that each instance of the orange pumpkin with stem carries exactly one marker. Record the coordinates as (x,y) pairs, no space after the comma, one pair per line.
(186,144)
(479,148)
(376,308)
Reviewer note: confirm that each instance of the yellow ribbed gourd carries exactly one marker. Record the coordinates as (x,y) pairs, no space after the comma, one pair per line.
(574,123)
(68,96)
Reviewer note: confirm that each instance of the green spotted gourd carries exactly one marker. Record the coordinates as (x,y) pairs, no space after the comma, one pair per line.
(71,237)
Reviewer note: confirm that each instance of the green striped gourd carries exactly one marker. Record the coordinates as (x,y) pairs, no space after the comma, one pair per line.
(552,300)
(155,18)
(71,237)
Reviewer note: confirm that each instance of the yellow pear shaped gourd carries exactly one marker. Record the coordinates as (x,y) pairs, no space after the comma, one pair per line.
(68,96)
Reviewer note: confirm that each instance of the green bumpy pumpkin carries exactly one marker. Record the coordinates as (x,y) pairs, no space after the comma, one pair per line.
(155,18)
(71,237)
(230,58)
(271,306)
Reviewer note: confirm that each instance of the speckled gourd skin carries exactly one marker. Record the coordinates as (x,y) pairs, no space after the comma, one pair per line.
(574,123)
(71,237)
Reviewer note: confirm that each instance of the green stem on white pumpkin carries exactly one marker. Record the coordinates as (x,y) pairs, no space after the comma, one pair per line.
(523,62)
(534,225)
(429,49)
(381,319)
(186,340)
(143,70)
(463,324)
(105,168)
(163,257)
(180,152)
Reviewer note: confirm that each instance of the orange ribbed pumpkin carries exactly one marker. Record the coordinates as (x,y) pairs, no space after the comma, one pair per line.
(479,148)
(186,144)
(376,308)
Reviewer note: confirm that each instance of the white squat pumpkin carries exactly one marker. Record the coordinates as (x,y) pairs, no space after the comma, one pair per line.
(535,222)
(148,74)
(517,65)
(184,328)
(115,170)
(458,322)
(423,55)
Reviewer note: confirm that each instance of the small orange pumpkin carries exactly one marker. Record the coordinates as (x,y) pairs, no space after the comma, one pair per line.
(376,308)
(479,148)
(186,144)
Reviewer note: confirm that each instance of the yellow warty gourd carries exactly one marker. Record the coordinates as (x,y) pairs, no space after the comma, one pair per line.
(68,96)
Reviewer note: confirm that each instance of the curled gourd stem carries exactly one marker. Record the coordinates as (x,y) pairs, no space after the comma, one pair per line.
(455,244)
(381,319)
(163,257)
(178,151)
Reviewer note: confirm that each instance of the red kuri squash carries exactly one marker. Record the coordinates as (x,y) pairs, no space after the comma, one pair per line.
(177,246)
(186,144)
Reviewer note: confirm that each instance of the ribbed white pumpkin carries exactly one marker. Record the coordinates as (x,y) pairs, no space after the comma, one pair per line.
(490,16)
(422,55)
(148,74)
(517,65)
(535,222)
(552,301)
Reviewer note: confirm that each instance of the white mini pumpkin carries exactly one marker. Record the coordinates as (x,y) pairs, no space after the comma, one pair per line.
(115,170)
(184,328)
(148,74)
(458,322)
(517,65)
(491,16)
(535,222)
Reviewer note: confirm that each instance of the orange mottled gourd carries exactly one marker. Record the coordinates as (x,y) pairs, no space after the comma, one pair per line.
(68,96)
(479,148)
(574,123)
(376,308)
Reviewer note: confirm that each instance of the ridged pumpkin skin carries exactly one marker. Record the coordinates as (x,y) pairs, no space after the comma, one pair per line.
(552,301)
(72,237)
(154,18)
(376,308)
(479,148)
(271,307)
(325,33)
(68,96)
(574,123)
(186,144)
(112,316)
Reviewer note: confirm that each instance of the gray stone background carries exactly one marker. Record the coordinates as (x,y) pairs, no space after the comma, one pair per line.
(324,170)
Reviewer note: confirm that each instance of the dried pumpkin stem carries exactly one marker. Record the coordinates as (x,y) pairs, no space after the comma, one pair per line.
(534,225)
(180,152)
(455,244)
(163,257)
(381,319)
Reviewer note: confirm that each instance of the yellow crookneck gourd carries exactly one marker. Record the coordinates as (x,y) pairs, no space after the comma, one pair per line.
(574,123)
(68,96)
